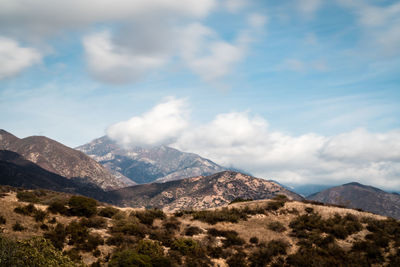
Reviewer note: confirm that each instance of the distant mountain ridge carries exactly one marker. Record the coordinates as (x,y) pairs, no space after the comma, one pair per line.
(146,165)
(62,160)
(200,192)
(356,195)
(19,172)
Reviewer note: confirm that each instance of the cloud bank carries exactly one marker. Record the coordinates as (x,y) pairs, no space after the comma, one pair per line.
(135,37)
(245,141)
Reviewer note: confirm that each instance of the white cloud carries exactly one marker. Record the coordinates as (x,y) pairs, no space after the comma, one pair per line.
(114,64)
(14,58)
(160,125)
(256,20)
(207,55)
(234,6)
(143,36)
(308,7)
(246,142)
(381,25)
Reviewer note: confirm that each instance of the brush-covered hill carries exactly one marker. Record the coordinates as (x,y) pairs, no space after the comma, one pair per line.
(44,228)
(62,160)
(146,165)
(368,198)
(199,192)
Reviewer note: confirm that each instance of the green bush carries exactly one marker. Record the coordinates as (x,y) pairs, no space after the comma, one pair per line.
(2,220)
(186,246)
(148,216)
(129,258)
(82,206)
(193,230)
(108,212)
(25,210)
(94,222)
(17,227)
(27,196)
(35,252)
(277,227)
(57,206)
(237,260)
(57,236)
(39,215)
(232,215)
(231,237)
(264,255)
(254,240)
(275,205)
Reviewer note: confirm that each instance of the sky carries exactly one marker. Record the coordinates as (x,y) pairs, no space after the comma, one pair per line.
(301,91)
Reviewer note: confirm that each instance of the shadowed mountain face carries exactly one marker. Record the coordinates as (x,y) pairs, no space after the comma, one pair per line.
(199,192)
(368,198)
(19,172)
(62,160)
(145,165)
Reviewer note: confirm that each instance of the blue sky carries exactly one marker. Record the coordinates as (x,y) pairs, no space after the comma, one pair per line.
(70,71)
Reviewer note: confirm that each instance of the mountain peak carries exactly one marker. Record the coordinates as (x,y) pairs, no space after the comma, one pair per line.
(148,164)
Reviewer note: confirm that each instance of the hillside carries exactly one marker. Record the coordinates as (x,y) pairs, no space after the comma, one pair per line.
(19,172)
(145,165)
(368,198)
(273,232)
(62,160)
(199,192)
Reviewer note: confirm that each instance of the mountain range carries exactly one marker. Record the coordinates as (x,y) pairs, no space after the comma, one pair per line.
(358,196)
(39,162)
(146,165)
(62,160)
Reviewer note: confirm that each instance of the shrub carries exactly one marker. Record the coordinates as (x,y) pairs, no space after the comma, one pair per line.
(82,206)
(57,236)
(108,212)
(74,255)
(25,210)
(33,252)
(94,222)
(231,237)
(193,230)
(39,215)
(27,196)
(2,220)
(18,227)
(150,248)
(185,246)
(277,227)
(237,260)
(254,240)
(172,225)
(129,227)
(275,205)
(148,216)
(44,227)
(57,207)
(232,215)
(309,209)
(239,199)
(129,258)
(263,255)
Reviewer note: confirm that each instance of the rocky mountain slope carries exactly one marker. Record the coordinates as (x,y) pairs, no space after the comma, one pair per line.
(145,165)
(19,172)
(368,198)
(199,192)
(62,160)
